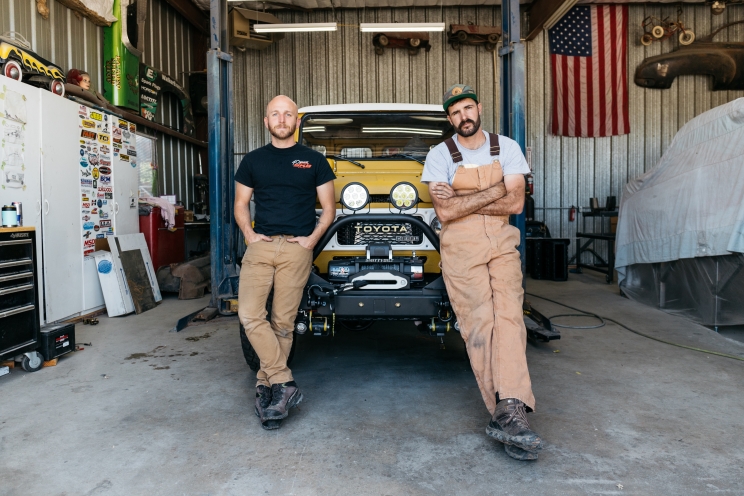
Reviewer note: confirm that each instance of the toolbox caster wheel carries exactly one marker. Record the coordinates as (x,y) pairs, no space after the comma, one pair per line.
(32,363)
(608,279)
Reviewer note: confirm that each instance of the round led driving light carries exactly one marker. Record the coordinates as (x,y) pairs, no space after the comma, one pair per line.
(404,196)
(436,225)
(354,196)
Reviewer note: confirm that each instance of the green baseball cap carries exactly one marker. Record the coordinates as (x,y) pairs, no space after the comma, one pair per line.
(458,92)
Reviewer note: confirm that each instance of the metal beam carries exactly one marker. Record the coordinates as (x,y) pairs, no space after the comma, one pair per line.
(545,14)
(513,84)
(191,13)
(223,231)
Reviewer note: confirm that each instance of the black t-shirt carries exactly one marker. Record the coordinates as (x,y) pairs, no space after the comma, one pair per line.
(284,182)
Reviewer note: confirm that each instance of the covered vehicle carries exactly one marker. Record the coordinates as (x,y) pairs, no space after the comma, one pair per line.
(680,233)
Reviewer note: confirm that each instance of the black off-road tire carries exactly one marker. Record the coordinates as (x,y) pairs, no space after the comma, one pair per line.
(251,358)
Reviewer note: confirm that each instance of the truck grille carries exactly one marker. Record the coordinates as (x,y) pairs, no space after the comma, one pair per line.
(364,233)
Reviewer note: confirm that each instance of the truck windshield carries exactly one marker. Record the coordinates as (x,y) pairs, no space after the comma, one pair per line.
(375,135)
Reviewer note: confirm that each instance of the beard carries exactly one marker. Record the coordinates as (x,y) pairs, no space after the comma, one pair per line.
(472,131)
(282,132)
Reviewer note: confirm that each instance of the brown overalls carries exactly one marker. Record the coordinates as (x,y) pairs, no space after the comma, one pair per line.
(483,275)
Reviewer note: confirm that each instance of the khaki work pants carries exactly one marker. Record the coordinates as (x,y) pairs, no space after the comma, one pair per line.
(285,266)
(483,275)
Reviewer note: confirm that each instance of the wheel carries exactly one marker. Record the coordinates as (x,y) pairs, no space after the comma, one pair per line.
(379,51)
(32,364)
(493,38)
(647,39)
(57,87)
(657,31)
(383,40)
(414,42)
(251,358)
(718,7)
(455,45)
(462,36)
(490,47)
(13,70)
(357,325)
(413,51)
(686,37)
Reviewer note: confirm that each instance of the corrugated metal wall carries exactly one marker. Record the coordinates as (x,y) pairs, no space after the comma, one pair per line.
(168,47)
(62,39)
(341,67)
(569,171)
(71,42)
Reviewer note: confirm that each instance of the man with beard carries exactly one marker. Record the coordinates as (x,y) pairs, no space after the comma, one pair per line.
(476,180)
(284,178)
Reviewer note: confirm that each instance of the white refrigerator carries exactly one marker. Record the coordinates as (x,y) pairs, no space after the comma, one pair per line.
(79,189)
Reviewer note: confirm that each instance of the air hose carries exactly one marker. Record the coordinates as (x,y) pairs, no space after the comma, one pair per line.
(603,320)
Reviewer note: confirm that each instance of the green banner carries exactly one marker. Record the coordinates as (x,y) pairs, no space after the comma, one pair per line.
(120,66)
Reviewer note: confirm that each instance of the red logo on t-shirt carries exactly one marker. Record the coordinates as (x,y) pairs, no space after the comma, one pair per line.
(301,164)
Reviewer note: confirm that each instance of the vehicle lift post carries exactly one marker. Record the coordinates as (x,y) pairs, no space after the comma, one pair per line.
(223,230)
(513,84)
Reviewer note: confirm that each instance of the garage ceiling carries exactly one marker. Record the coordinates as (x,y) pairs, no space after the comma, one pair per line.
(358,4)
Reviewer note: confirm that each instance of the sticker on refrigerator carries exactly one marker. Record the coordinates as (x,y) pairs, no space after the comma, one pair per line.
(104,138)
(88,134)
(88,124)
(96,116)
(104,266)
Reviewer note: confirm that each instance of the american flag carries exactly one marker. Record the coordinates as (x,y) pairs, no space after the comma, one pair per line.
(588,54)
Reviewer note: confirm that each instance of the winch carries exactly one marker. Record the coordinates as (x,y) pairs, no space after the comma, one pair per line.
(379,268)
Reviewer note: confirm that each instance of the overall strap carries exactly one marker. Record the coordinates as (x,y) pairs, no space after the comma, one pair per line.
(494,143)
(454,152)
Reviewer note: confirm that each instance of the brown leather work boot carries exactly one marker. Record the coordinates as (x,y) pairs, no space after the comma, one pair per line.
(283,397)
(263,400)
(509,425)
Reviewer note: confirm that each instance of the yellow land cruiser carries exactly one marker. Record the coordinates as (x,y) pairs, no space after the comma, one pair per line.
(379,260)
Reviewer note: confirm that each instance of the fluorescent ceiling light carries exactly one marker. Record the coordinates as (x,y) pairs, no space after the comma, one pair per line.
(313,129)
(398,27)
(295,28)
(410,130)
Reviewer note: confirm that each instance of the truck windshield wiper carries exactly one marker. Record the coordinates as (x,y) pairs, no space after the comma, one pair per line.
(339,157)
(409,157)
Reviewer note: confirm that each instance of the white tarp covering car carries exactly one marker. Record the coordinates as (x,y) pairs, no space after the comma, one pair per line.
(680,232)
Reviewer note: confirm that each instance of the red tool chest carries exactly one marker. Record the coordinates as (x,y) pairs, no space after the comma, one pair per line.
(166,247)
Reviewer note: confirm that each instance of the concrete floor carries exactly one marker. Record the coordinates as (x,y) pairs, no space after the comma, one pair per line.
(145,411)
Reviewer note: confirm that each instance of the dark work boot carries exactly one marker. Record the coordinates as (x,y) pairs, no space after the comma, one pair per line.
(283,397)
(519,453)
(509,425)
(263,400)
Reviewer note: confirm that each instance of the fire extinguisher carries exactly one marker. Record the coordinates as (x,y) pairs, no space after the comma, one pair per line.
(572,214)
(530,184)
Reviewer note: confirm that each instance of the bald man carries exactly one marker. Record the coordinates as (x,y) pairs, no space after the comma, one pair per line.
(284,179)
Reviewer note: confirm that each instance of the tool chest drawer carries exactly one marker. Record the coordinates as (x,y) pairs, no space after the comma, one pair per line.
(19,310)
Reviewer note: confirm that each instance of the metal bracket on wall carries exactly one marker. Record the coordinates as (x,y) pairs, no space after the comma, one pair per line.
(506,50)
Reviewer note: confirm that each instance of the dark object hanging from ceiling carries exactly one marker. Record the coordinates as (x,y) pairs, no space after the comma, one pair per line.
(724,61)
